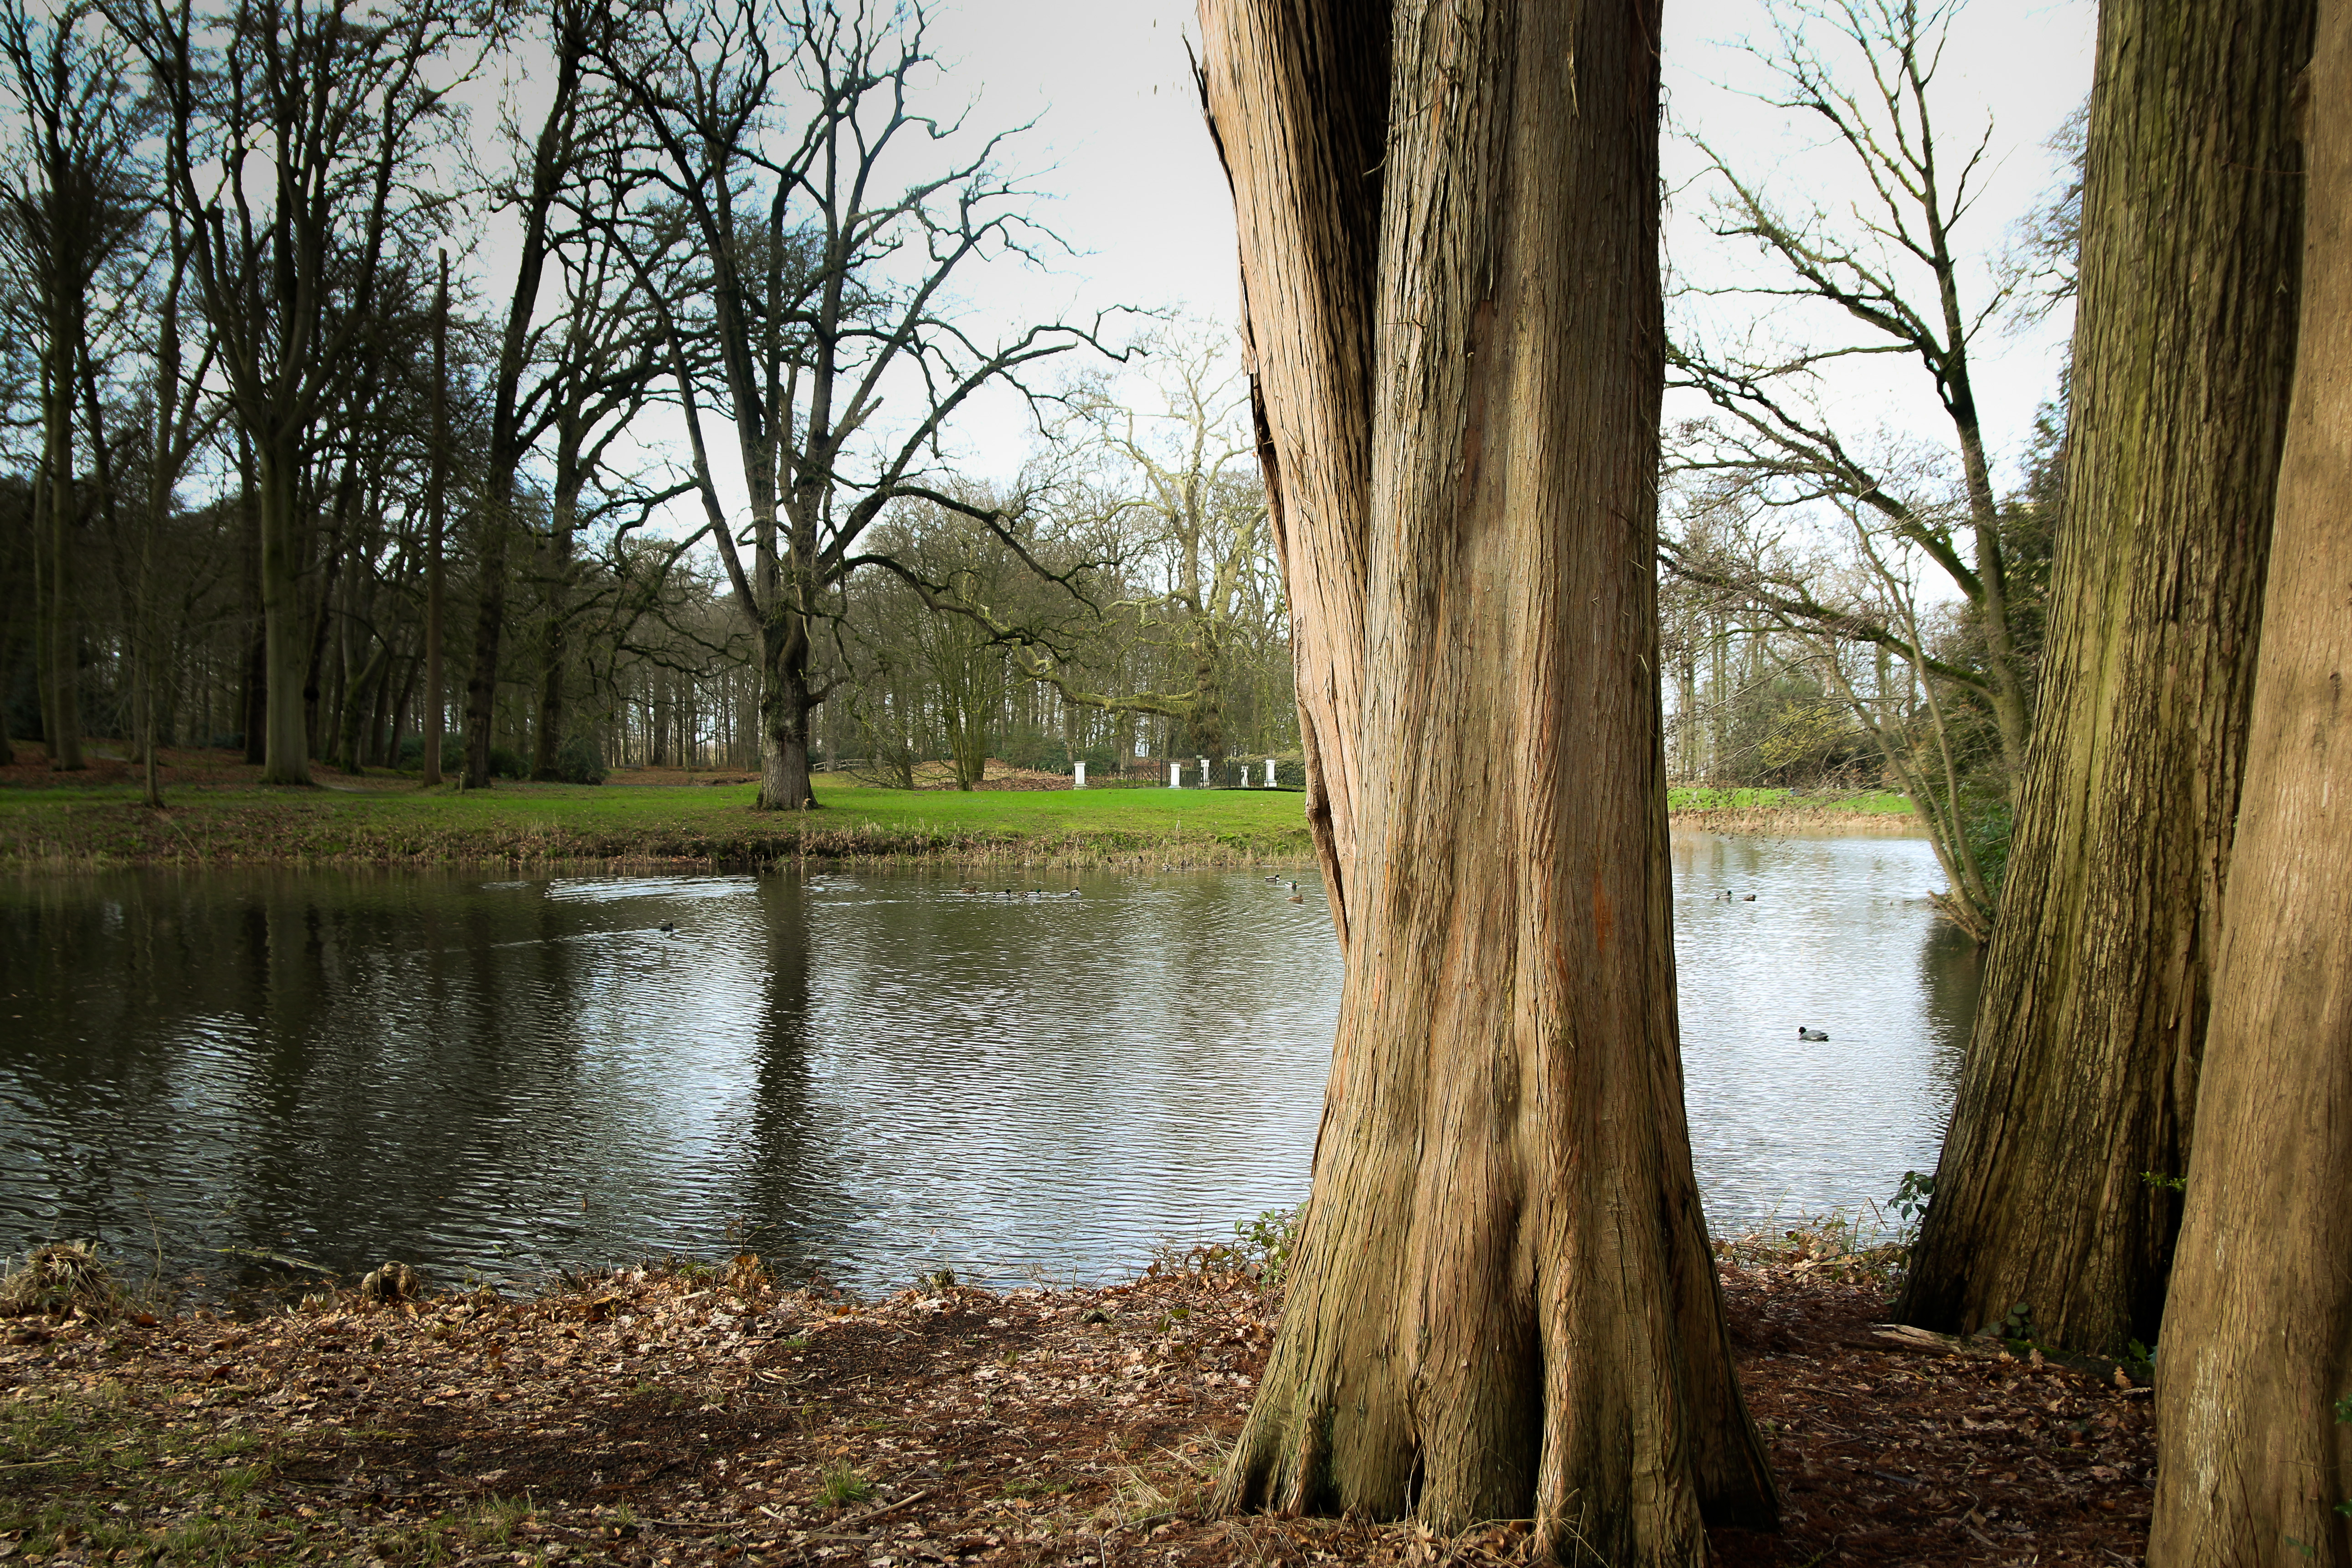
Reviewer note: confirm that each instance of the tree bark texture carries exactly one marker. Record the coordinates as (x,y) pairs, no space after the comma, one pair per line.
(785,704)
(1503,1304)
(2082,1068)
(2257,1350)
(1298,98)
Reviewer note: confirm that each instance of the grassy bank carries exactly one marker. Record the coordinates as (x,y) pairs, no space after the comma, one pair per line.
(1715,810)
(219,815)
(69,827)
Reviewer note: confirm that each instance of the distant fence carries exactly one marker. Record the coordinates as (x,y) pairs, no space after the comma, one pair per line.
(1140,773)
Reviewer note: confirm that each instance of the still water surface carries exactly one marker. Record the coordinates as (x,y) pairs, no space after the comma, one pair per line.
(871,1075)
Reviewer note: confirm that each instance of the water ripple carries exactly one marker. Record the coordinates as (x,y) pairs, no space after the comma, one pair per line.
(867,1075)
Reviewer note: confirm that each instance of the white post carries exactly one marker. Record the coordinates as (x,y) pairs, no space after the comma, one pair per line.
(1269,772)
(1204,772)
(1078,779)
(1175,775)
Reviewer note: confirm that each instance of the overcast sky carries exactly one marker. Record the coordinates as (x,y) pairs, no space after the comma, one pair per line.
(1129,180)
(1119,142)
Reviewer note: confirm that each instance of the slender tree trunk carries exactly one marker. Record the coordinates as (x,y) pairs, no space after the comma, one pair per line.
(359,702)
(1503,1304)
(64,626)
(284,628)
(255,706)
(400,711)
(2082,1072)
(553,651)
(253,698)
(2254,1384)
(45,685)
(489,622)
(436,490)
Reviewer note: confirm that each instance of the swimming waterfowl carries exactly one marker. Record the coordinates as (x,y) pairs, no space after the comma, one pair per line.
(1805,1033)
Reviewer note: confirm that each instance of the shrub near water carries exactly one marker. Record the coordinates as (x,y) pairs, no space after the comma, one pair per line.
(60,1278)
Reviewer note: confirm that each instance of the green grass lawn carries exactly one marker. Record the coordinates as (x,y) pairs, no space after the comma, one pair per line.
(390,821)
(397,823)
(1702,797)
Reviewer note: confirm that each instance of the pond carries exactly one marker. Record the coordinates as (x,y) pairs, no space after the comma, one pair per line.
(866,1075)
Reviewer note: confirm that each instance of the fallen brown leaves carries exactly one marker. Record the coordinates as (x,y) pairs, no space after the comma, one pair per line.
(671,1418)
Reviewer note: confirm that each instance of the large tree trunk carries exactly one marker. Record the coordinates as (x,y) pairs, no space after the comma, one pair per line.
(785,704)
(1298,97)
(286,757)
(2257,1351)
(2082,1071)
(1503,1304)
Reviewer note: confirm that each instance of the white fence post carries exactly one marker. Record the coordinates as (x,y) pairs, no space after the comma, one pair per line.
(1269,772)
(1078,779)
(1204,772)
(1175,775)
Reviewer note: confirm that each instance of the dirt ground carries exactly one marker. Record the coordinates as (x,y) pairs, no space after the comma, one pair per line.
(683,1415)
(109,762)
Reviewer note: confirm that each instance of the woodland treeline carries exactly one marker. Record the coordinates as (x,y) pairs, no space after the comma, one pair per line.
(338,378)
(618,413)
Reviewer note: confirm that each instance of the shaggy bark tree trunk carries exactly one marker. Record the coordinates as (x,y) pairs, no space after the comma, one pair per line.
(1297,98)
(2082,1070)
(2257,1353)
(1503,1304)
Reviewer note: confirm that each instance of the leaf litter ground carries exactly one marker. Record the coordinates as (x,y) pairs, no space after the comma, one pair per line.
(678,1417)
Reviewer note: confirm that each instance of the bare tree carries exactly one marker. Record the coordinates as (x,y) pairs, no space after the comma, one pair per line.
(293,132)
(578,375)
(1198,591)
(71,206)
(1893,272)
(828,289)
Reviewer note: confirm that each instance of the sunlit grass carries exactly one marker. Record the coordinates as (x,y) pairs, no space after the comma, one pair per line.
(73,827)
(1708,798)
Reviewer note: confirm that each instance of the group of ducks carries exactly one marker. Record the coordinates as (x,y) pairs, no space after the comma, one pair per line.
(1018,893)
(1296,896)
(1802,1032)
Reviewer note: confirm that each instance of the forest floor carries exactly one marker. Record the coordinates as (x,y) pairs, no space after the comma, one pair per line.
(687,1415)
(217,812)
